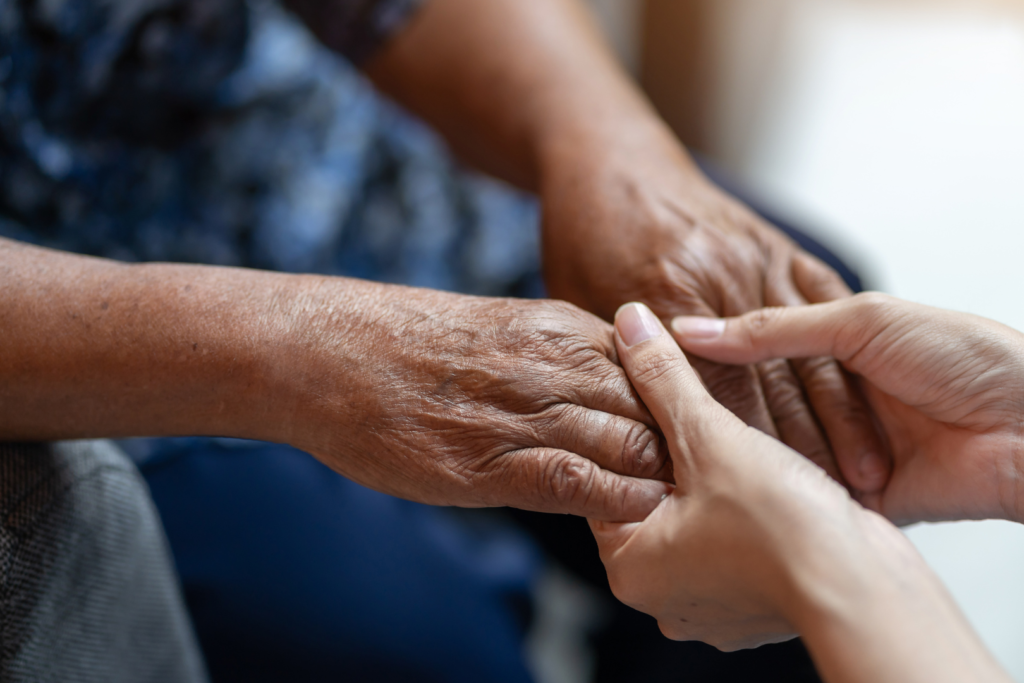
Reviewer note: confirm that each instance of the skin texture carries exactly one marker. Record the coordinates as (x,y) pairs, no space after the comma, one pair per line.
(627,215)
(945,385)
(491,395)
(434,397)
(755,544)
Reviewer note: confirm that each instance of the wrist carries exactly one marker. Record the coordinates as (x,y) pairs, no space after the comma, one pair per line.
(625,139)
(880,614)
(313,346)
(857,564)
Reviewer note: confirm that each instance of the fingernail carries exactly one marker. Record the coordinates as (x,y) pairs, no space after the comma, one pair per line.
(698,328)
(636,323)
(873,469)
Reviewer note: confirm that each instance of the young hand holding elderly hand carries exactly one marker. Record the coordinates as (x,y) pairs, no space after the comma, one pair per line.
(756,543)
(948,389)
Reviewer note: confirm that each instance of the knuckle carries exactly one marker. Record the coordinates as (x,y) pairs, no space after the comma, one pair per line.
(872,304)
(640,451)
(824,382)
(735,387)
(822,367)
(569,479)
(760,322)
(652,369)
(783,392)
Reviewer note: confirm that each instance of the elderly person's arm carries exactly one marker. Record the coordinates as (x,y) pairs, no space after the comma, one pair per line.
(756,544)
(527,90)
(435,397)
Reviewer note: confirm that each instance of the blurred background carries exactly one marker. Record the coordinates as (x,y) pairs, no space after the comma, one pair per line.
(895,130)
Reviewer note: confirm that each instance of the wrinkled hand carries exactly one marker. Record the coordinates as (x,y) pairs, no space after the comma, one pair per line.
(947,388)
(749,530)
(660,233)
(456,400)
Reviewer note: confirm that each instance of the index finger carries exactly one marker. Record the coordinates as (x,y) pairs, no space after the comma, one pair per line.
(836,329)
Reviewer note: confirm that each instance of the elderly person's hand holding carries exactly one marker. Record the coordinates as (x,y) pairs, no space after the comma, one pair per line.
(435,397)
(756,543)
(525,89)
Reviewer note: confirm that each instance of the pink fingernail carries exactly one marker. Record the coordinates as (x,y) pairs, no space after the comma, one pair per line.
(698,328)
(636,323)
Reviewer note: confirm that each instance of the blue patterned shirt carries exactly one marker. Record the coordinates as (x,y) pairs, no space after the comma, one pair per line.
(222,132)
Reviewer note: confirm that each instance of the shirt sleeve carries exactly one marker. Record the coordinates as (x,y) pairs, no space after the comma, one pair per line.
(355,28)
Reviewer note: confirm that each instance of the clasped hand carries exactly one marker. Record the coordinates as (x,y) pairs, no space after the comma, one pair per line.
(754,535)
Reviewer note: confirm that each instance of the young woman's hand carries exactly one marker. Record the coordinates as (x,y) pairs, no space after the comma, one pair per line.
(750,526)
(947,387)
(756,542)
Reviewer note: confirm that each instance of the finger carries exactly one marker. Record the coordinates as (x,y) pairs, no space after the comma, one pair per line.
(849,423)
(816,331)
(604,387)
(739,389)
(615,443)
(560,482)
(791,332)
(838,404)
(661,375)
(816,281)
(798,427)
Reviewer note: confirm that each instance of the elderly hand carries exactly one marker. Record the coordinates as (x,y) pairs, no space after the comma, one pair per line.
(752,530)
(456,400)
(635,220)
(947,387)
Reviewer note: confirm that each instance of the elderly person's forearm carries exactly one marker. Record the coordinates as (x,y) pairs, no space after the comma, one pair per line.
(97,348)
(511,82)
(436,397)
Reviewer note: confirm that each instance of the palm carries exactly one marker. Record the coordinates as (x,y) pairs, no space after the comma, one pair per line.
(945,464)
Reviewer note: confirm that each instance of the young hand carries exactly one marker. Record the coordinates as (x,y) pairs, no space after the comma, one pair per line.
(947,387)
(751,528)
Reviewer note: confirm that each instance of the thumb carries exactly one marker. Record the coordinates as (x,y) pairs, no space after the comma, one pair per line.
(661,375)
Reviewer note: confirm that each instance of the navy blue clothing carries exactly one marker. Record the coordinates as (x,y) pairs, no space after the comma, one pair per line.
(293,573)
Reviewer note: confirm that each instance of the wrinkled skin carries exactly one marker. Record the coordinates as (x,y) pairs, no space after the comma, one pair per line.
(946,387)
(727,557)
(455,400)
(638,222)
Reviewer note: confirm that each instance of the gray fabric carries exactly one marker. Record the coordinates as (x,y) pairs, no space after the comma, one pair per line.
(87,588)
